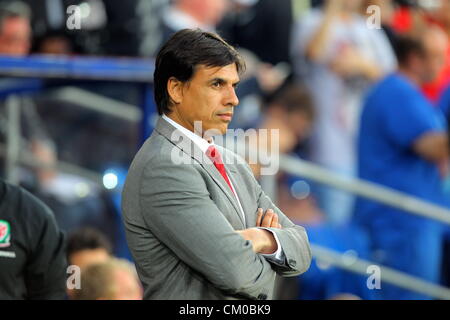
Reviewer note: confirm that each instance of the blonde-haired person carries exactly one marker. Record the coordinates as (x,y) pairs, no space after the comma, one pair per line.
(115,279)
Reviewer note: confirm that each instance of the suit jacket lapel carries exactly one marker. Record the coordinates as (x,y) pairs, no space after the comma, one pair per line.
(214,173)
(178,139)
(237,181)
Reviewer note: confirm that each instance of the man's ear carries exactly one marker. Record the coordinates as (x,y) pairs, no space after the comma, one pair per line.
(175,90)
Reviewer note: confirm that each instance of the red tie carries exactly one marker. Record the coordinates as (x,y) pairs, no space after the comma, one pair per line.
(216,158)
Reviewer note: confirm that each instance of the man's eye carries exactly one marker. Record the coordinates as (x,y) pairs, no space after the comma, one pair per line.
(216,84)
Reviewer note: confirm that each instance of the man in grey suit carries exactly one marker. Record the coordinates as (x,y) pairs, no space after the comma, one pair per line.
(198,224)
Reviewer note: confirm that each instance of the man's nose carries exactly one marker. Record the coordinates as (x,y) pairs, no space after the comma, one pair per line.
(232,98)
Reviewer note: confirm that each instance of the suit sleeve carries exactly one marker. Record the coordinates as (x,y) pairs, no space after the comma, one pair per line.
(177,208)
(293,238)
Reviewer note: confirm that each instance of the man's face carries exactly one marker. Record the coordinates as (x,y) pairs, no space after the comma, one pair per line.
(436,47)
(208,97)
(15,37)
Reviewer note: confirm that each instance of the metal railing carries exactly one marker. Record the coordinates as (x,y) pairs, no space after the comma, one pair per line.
(378,193)
(15,155)
(387,275)
(365,189)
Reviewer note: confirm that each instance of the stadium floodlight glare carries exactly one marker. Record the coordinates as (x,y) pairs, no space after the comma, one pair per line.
(110,180)
(300,190)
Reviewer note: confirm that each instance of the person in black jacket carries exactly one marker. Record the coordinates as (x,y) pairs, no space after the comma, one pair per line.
(32,248)
(263,27)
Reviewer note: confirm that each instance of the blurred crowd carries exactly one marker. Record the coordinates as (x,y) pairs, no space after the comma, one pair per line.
(359,87)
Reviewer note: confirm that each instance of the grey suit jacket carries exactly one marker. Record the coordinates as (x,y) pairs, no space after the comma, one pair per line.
(181,218)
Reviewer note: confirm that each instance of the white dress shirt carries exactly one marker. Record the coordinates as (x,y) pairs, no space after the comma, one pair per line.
(278,256)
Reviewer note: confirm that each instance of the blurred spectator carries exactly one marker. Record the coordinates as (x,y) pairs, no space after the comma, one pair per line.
(48,15)
(123,32)
(290,111)
(32,260)
(15,40)
(60,191)
(261,26)
(51,16)
(403,145)
(149,29)
(409,17)
(54,43)
(191,14)
(15,29)
(441,17)
(259,81)
(114,279)
(262,30)
(339,57)
(387,11)
(87,246)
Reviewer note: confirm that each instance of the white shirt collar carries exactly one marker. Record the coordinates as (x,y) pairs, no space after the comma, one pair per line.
(199,141)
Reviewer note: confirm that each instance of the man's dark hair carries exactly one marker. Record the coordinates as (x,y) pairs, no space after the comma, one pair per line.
(292,97)
(405,46)
(87,239)
(182,53)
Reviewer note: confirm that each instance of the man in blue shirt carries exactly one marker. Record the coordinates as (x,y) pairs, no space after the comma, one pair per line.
(403,145)
(444,102)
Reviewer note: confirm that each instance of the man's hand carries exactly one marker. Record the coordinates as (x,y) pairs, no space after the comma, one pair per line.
(269,220)
(262,240)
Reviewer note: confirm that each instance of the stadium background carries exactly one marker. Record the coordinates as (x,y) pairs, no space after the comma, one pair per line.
(77,103)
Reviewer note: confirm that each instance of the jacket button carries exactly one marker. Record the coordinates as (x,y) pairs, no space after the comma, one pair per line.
(262,296)
(292,263)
